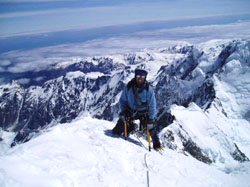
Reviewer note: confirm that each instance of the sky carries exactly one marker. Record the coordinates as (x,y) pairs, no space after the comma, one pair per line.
(29,16)
(35,34)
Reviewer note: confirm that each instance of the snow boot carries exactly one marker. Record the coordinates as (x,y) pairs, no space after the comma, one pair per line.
(119,128)
(156,143)
(157,146)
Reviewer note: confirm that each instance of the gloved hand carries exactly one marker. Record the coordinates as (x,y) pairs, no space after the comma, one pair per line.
(125,114)
(150,124)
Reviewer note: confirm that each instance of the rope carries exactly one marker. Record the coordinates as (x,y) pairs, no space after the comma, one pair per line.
(145,158)
(140,141)
(145,155)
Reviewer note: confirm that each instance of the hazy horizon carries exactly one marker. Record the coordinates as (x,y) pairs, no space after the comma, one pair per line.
(32,16)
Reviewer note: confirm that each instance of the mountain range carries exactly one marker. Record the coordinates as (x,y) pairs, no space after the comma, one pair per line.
(200,89)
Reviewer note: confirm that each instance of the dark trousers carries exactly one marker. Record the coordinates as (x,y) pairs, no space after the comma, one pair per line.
(119,128)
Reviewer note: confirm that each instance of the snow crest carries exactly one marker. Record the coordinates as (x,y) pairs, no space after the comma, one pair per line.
(85,153)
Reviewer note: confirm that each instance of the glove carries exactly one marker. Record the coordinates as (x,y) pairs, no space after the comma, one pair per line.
(150,124)
(125,114)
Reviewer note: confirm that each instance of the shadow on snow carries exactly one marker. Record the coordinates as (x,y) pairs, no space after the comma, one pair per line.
(110,134)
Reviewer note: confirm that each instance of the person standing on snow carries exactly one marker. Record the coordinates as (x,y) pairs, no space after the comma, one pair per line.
(138,102)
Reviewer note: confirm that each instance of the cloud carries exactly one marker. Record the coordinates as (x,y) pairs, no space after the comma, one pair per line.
(2,81)
(26,1)
(30,13)
(2,69)
(98,13)
(24,81)
(5,62)
(24,66)
(55,11)
(44,58)
(39,78)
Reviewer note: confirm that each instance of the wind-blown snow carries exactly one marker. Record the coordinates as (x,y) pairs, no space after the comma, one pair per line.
(85,153)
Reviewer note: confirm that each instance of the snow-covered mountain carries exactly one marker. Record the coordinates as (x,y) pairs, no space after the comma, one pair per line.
(85,153)
(202,94)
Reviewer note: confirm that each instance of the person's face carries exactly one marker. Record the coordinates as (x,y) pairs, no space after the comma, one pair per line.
(140,79)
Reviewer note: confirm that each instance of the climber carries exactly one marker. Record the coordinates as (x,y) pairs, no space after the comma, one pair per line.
(138,102)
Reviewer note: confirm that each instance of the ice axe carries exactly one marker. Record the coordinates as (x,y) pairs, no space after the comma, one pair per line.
(149,140)
(125,130)
(125,127)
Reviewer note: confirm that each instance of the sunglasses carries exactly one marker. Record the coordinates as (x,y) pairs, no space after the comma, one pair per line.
(140,76)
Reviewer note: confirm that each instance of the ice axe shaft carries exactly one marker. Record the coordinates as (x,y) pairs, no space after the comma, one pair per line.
(149,140)
(125,130)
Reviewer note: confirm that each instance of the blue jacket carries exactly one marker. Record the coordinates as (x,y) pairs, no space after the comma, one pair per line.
(144,95)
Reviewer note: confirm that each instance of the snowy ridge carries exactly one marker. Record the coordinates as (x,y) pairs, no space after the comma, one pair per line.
(215,89)
(85,153)
(207,130)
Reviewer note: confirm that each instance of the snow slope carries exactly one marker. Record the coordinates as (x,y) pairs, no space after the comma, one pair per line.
(85,153)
